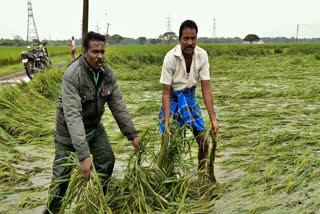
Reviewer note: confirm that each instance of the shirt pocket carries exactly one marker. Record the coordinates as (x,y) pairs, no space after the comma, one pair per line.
(88,102)
(104,95)
(105,92)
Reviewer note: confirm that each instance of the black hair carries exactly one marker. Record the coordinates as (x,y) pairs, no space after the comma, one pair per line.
(187,24)
(92,36)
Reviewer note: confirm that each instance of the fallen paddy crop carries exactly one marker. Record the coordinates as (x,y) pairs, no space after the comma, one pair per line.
(268,110)
(11,55)
(153,181)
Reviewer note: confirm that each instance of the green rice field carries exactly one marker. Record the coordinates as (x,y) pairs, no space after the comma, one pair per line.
(266,99)
(11,55)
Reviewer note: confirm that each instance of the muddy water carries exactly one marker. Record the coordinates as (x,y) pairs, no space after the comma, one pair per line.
(36,161)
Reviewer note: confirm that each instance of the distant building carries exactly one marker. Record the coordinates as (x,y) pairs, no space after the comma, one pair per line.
(259,42)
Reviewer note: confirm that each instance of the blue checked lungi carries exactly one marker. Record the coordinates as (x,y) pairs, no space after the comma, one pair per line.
(184,108)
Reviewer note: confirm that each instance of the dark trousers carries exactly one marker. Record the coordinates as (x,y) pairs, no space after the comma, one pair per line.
(103,160)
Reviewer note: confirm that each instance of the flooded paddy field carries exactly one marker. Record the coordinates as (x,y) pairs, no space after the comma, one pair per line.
(268,157)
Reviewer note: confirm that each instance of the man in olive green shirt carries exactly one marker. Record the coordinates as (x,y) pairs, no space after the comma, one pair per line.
(87,85)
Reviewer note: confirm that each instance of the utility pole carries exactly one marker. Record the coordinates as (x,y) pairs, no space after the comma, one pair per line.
(80,29)
(169,24)
(108,24)
(214,33)
(297,33)
(85,18)
(32,33)
(107,33)
(97,28)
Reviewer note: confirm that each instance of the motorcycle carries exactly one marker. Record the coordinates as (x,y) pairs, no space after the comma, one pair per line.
(35,60)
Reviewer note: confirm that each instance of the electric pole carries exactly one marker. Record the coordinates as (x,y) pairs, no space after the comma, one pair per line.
(32,33)
(214,33)
(97,28)
(85,18)
(108,24)
(297,33)
(80,36)
(169,24)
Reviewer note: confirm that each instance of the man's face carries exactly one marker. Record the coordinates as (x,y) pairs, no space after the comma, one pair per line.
(95,54)
(188,40)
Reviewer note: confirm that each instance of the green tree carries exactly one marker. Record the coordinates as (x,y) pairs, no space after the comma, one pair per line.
(142,40)
(115,39)
(169,37)
(154,41)
(251,38)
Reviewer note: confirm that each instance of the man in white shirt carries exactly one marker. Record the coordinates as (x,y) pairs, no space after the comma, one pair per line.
(183,67)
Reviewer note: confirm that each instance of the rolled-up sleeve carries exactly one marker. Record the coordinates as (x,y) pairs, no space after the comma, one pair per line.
(120,112)
(204,72)
(72,109)
(167,70)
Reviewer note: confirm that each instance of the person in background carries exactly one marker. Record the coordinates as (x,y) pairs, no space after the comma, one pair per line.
(183,67)
(73,48)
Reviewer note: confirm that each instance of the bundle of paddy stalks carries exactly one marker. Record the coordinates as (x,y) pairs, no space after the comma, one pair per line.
(210,135)
(174,147)
(81,196)
(136,192)
(165,181)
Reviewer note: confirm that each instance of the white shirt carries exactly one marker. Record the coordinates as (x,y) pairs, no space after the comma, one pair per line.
(73,44)
(174,70)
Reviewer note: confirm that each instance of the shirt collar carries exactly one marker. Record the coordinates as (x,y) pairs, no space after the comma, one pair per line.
(178,51)
(96,73)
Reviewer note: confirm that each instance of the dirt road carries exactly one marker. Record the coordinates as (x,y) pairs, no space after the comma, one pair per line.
(21,76)
(14,78)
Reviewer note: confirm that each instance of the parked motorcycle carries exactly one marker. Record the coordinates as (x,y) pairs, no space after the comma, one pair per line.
(35,60)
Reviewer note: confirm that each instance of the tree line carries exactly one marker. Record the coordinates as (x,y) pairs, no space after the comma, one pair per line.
(166,38)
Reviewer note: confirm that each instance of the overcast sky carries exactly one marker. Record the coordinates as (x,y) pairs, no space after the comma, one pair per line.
(60,19)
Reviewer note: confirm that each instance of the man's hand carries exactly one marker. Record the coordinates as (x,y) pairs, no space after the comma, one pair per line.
(167,131)
(135,142)
(85,168)
(215,129)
